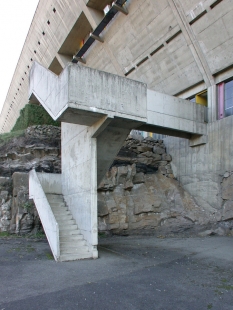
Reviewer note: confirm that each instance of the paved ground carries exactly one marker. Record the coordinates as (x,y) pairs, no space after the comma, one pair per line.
(131,273)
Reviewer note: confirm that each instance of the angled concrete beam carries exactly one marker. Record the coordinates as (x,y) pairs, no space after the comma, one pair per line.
(82,60)
(121,9)
(97,38)
(82,95)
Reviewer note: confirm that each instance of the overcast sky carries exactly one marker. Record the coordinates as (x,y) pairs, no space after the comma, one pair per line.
(15,19)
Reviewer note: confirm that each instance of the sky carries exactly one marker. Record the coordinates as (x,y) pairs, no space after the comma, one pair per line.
(15,19)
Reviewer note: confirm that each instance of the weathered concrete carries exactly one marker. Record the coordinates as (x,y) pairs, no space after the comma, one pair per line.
(98,110)
(79,180)
(167,44)
(37,189)
(204,170)
(83,96)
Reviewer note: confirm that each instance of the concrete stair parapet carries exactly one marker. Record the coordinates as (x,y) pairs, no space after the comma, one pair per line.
(72,244)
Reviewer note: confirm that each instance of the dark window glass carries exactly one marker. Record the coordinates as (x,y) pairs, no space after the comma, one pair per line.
(228,112)
(229,84)
(228,98)
(228,104)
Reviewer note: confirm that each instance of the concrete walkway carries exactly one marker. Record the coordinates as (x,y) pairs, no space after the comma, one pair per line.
(131,273)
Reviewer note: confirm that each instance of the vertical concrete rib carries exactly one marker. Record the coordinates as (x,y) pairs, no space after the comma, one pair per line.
(192,42)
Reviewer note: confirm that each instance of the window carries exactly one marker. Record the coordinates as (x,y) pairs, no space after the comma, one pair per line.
(225,99)
(200,98)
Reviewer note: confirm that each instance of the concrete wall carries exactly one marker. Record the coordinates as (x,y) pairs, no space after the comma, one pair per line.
(201,170)
(174,46)
(79,179)
(37,187)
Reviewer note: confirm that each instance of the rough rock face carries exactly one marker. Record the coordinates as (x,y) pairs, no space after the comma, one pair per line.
(227,196)
(130,202)
(140,195)
(17,212)
(24,216)
(38,148)
(5,203)
(149,156)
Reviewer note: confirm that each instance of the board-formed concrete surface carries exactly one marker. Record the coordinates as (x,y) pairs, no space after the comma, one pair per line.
(82,95)
(98,110)
(166,44)
(131,273)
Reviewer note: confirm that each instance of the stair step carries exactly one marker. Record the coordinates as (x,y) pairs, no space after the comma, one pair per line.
(69,227)
(72,244)
(51,196)
(61,212)
(58,209)
(64,217)
(77,250)
(71,238)
(65,222)
(57,200)
(70,257)
(64,233)
(57,205)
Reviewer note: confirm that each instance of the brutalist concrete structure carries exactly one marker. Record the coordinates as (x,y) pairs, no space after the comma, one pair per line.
(177,48)
(97,110)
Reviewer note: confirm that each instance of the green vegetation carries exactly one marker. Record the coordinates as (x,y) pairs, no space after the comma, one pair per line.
(33,114)
(5,137)
(27,206)
(30,249)
(4,234)
(38,235)
(49,256)
(226,287)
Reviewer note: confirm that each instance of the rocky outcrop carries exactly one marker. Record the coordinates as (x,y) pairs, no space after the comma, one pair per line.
(5,203)
(147,154)
(139,193)
(131,202)
(17,212)
(227,196)
(39,148)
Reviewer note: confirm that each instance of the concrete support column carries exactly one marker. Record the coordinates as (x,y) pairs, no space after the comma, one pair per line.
(79,180)
(212,104)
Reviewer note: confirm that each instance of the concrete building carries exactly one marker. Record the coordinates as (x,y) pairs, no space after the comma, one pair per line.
(179,48)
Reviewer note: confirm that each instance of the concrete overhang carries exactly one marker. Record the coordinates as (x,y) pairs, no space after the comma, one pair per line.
(84,96)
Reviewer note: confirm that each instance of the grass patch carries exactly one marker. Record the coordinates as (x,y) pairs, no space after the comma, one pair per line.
(4,234)
(37,235)
(226,287)
(209,306)
(33,114)
(103,234)
(49,256)
(28,206)
(30,249)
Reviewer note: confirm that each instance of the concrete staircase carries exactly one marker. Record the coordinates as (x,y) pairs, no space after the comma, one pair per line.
(72,244)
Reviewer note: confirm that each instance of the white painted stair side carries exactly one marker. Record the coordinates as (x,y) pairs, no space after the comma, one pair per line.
(72,244)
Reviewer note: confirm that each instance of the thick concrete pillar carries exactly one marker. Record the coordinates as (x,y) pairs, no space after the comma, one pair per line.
(79,179)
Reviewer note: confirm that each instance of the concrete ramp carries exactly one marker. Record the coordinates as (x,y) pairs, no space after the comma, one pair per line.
(98,110)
